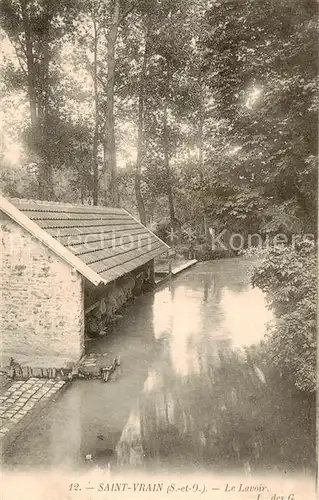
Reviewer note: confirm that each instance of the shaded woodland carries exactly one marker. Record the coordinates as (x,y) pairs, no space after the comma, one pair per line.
(190,114)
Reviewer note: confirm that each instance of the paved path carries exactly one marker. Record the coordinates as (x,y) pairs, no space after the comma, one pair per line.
(21,398)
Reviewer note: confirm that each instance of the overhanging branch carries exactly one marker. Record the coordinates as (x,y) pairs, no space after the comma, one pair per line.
(127,12)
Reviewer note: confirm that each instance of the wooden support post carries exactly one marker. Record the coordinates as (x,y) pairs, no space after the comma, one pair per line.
(152,273)
(170,267)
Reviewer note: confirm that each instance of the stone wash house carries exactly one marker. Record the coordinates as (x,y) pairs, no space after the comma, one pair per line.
(65,270)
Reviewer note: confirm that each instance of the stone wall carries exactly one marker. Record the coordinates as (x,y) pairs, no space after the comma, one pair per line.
(41,301)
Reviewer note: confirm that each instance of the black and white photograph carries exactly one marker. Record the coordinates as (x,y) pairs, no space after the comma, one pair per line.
(158,206)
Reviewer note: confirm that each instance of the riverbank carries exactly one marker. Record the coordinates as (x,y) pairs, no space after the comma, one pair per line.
(187,395)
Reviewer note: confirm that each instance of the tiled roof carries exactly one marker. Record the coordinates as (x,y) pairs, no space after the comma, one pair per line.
(107,240)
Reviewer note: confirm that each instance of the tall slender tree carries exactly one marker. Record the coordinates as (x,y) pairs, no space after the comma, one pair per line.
(34,30)
(140,129)
(96,32)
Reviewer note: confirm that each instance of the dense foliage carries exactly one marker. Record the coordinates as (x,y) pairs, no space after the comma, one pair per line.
(209,103)
(288,276)
(194,115)
(260,59)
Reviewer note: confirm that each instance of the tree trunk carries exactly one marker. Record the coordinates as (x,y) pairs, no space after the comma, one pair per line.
(140,136)
(30,68)
(166,153)
(201,171)
(110,170)
(95,193)
(31,86)
(46,180)
(37,87)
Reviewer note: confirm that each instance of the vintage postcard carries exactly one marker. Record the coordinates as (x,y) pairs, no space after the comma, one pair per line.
(158,249)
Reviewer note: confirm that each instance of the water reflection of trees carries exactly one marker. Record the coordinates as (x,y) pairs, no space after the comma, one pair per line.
(131,338)
(227,418)
(217,411)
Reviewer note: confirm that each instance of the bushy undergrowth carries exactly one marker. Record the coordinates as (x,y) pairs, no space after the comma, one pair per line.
(288,276)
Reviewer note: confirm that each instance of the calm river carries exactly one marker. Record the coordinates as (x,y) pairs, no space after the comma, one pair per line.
(185,396)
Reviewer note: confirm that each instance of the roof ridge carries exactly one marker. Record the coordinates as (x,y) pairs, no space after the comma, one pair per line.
(54,245)
(82,221)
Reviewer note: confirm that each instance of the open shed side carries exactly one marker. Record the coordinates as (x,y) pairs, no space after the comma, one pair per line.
(53,258)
